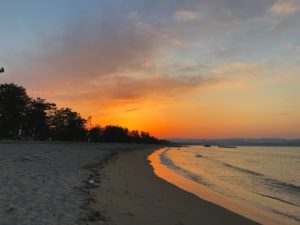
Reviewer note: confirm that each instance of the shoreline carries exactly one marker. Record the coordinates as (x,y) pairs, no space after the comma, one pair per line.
(95,180)
(130,193)
(204,192)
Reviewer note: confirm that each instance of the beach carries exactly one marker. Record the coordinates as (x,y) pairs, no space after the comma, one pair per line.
(49,183)
(130,193)
(84,183)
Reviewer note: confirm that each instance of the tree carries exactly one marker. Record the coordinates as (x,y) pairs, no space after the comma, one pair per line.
(115,134)
(147,138)
(67,125)
(95,134)
(13,102)
(37,115)
(36,119)
(135,136)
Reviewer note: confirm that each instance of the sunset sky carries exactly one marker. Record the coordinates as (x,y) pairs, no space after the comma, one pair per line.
(176,68)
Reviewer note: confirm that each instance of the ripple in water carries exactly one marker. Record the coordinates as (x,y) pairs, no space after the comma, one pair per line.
(262,177)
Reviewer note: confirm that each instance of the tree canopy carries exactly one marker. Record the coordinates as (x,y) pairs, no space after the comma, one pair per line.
(26,118)
(13,104)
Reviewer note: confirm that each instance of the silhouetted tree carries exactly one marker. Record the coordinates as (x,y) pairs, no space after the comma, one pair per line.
(134,136)
(36,119)
(67,125)
(115,134)
(95,134)
(13,102)
(37,115)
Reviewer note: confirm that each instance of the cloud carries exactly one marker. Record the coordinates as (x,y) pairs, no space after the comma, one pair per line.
(227,52)
(131,110)
(118,53)
(127,89)
(123,92)
(287,26)
(285,6)
(183,16)
(88,50)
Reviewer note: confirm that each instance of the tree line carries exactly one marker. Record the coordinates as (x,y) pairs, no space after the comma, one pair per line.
(26,118)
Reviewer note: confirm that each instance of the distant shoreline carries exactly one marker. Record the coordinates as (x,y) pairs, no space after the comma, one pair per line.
(280,142)
(173,143)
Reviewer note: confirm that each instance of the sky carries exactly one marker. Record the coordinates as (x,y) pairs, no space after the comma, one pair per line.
(189,69)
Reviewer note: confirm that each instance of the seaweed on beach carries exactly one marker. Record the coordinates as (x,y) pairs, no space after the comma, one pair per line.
(91,215)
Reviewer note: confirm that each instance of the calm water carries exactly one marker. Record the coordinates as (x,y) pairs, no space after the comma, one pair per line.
(267,178)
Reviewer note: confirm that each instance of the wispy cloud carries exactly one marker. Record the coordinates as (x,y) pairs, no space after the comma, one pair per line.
(285,6)
(183,16)
(127,89)
(131,110)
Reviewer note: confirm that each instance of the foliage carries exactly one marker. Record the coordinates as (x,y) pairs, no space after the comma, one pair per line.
(67,125)
(13,103)
(22,117)
(36,120)
(119,134)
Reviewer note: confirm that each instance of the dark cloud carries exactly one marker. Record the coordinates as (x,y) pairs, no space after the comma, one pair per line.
(131,110)
(92,49)
(100,38)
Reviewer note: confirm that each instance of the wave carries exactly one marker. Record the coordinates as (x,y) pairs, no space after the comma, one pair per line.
(170,164)
(241,169)
(270,183)
(276,185)
(293,217)
(279,199)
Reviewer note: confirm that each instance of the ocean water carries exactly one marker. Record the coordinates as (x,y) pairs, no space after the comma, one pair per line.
(264,178)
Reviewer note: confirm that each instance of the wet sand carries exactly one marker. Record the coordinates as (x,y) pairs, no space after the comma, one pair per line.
(131,194)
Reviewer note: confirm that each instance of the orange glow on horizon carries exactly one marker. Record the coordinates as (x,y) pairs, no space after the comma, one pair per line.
(220,110)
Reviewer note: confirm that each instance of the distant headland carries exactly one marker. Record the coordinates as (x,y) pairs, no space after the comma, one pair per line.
(239,141)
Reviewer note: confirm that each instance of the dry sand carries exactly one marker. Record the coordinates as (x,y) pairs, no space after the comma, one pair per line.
(46,184)
(130,194)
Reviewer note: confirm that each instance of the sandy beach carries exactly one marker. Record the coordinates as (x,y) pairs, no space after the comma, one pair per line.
(130,193)
(83,183)
(43,184)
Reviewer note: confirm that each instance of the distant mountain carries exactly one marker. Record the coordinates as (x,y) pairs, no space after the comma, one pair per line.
(240,141)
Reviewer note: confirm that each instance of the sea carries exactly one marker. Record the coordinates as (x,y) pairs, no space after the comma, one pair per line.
(264,178)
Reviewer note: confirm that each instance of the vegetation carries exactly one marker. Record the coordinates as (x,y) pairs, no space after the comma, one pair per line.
(26,118)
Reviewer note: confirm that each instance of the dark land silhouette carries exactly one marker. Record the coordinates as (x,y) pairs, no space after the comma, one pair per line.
(238,142)
(25,118)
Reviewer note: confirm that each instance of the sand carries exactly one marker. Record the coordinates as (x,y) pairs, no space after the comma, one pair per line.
(131,194)
(86,184)
(43,184)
